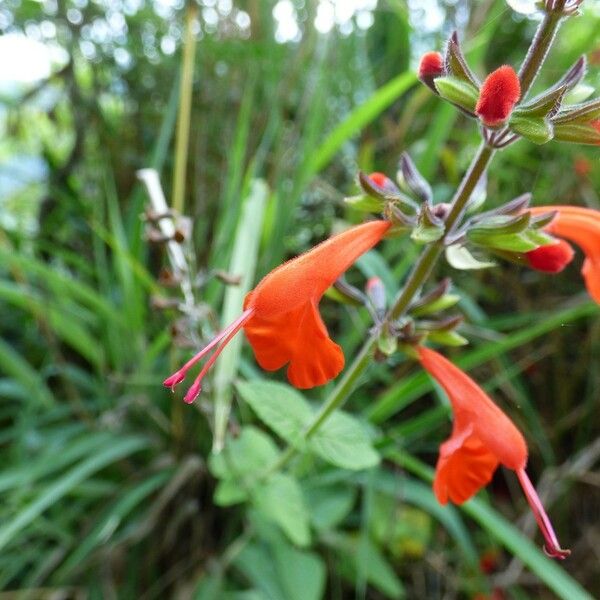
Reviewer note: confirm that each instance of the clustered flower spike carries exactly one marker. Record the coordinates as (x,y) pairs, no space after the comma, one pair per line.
(281,318)
(499,93)
(578,225)
(483,437)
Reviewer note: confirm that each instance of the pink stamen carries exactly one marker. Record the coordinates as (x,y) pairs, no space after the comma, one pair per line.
(552,547)
(226,336)
(180,375)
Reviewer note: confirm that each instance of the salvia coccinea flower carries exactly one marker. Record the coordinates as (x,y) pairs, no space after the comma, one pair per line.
(498,95)
(483,437)
(579,225)
(281,318)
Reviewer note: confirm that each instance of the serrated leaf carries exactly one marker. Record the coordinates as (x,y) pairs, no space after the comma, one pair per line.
(536,129)
(342,441)
(280,500)
(448,338)
(458,92)
(459,257)
(278,406)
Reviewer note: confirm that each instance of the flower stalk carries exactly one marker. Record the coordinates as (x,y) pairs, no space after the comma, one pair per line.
(532,64)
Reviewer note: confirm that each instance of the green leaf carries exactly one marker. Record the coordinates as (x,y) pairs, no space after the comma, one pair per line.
(343,441)
(329,506)
(302,574)
(278,406)
(363,557)
(459,257)
(247,455)
(458,92)
(52,493)
(280,500)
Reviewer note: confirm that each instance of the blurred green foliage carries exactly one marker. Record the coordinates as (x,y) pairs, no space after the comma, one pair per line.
(109,485)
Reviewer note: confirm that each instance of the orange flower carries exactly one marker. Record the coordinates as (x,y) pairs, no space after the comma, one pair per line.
(483,437)
(581,226)
(281,318)
(498,95)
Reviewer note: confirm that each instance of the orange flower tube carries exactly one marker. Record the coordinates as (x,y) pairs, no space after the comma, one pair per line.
(581,226)
(483,437)
(281,318)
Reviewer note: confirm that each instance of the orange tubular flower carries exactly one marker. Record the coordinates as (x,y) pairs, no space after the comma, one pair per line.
(498,95)
(281,318)
(482,438)
(581,226)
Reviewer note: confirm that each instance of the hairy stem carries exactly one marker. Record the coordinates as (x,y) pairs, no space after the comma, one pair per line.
(540,46)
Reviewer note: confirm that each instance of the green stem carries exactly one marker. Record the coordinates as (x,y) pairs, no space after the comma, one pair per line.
(185,108)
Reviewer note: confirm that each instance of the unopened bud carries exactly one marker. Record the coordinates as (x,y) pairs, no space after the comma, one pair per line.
(552,258)
(376,293)
(430,67)
(499,94)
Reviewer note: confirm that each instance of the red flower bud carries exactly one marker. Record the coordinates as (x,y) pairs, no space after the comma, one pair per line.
(552,258)
(499,94)
(431,65)
(378,179)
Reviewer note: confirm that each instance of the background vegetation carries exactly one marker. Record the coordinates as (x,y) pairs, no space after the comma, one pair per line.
(107,479)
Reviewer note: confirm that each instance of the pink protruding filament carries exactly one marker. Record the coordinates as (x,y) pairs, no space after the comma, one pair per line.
(551,547)
(226,336)
(179,375)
